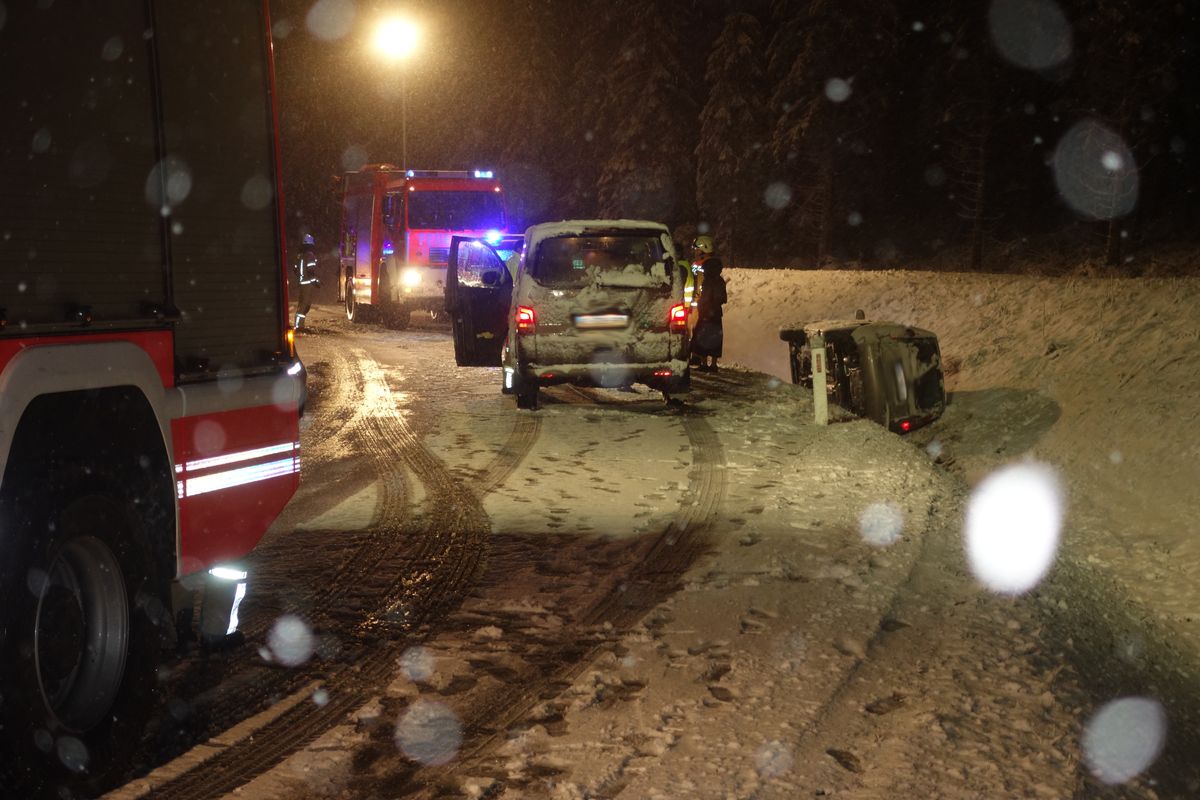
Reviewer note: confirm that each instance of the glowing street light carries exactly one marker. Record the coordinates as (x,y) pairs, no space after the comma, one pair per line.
(395,40)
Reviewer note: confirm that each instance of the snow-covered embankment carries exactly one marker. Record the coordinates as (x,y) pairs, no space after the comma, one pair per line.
(1098,377)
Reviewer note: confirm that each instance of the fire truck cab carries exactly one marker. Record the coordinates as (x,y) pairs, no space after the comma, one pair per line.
(396,230)
(149,392)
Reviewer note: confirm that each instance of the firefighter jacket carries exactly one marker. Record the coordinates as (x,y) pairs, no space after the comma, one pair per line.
(694,284)
(306,267)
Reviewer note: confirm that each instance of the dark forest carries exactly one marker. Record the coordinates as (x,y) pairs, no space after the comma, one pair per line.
(1011,135)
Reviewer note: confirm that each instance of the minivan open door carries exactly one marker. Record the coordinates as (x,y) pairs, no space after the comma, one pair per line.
(478,295)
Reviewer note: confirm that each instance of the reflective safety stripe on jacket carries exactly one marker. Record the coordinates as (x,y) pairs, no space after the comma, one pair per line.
(307,267)
(694,283)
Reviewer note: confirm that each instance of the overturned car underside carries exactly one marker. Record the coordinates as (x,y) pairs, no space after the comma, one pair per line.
(884,371)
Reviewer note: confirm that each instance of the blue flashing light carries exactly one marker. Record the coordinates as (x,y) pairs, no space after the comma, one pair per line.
(493,237)
(388,249)
(484,173)
(411,173)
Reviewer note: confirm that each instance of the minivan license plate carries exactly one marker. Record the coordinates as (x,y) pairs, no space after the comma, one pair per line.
(601,321)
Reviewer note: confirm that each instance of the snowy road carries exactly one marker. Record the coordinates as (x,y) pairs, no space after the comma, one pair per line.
(610,597)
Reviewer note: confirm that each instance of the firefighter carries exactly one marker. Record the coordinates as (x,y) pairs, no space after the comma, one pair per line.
(708,337)
(694,284)
(306,271)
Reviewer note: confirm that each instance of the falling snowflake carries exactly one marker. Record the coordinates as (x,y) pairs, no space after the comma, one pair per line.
(1124,738)
(291,641)
(777,195)
(1012,527)
(881,524)
(429,733)
(837,90)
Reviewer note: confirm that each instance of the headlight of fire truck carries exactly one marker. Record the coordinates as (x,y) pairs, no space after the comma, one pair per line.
(410,277)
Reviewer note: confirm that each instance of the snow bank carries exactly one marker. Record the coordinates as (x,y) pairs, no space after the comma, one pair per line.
(1100,377)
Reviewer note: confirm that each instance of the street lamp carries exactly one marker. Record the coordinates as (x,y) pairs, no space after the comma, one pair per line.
(395,40)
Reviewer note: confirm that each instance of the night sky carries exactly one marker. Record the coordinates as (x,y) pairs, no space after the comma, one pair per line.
(1003,136)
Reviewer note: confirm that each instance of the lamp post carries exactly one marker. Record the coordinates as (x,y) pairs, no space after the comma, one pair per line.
(395,41)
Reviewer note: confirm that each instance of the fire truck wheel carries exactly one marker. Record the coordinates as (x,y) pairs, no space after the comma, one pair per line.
(353,311)
(81,642)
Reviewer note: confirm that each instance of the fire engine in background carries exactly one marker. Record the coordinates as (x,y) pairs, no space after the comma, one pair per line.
(149,393)
(396,229)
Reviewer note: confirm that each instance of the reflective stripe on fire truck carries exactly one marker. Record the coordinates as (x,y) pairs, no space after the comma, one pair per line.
(191,486)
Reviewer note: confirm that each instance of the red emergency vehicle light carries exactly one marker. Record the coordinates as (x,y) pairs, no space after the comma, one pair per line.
(662,373)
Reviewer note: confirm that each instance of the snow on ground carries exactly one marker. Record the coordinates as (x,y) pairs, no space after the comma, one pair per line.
(760,678)
(800,655)
(611,474)
(1097,377)
(810,652)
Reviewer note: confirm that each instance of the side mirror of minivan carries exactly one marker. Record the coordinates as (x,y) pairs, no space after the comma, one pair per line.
(491,277)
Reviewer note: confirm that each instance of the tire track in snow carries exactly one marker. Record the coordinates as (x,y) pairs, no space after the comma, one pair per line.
(652,579)
(416,586)
(325,439)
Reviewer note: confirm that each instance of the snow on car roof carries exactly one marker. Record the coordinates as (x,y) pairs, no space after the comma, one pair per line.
(574,227)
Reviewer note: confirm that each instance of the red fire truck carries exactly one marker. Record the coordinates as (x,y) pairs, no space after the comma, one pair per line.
(396,229)
(149,392)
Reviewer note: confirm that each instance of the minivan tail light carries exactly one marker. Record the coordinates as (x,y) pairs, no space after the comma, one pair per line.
(678,318)
(526,320)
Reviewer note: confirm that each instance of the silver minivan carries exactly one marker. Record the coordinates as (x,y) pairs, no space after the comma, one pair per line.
(588,302)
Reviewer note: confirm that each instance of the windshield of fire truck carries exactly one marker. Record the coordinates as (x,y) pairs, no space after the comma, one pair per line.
(455,211)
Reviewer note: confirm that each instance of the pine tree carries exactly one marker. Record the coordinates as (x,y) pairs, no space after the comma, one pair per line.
(650,114)
(730,174)
(976,91)
(1132,50)
(530,114)
(833,93)
(586,128)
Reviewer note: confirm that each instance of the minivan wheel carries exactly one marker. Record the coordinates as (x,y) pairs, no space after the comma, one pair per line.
(528,398)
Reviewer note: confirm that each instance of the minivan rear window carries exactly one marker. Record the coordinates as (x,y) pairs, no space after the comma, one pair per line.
(635,260)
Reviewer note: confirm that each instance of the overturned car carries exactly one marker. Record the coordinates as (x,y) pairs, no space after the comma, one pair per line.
(884,371)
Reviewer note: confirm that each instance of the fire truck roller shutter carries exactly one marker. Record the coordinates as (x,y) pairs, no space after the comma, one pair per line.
(80,189)
(224,247)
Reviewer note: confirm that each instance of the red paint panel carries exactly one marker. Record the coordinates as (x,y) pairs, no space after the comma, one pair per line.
(223,524)
(159,345)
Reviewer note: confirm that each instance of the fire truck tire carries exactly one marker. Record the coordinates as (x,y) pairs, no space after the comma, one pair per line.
(81,613)
(353,309)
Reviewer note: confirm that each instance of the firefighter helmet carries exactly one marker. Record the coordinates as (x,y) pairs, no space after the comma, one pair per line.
(704,244)
(308,239)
